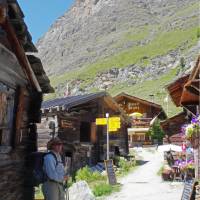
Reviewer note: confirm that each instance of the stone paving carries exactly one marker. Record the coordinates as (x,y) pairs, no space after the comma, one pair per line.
(145,184)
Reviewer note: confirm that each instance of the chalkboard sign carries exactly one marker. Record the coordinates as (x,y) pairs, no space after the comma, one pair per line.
(188,190)
(110,172)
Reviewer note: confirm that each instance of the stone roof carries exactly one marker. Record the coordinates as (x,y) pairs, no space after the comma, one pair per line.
(70,101)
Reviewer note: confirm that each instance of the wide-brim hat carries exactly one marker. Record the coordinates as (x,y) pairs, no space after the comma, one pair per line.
(53,142)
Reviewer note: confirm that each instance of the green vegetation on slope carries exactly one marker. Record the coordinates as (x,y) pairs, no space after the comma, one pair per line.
(137,35)
(160,45)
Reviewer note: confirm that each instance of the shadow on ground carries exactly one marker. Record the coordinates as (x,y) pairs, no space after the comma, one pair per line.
(141,162)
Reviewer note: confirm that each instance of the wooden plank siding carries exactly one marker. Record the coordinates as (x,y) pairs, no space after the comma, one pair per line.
(20,101)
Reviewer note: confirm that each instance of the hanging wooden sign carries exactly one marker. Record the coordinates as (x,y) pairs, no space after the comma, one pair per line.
(66,124)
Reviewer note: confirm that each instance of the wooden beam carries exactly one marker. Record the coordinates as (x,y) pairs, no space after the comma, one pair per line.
(196,81)
(20,54)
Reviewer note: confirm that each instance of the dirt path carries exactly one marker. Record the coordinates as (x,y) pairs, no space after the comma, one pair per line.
(145,184)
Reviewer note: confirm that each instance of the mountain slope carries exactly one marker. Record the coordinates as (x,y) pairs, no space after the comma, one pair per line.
(102,44)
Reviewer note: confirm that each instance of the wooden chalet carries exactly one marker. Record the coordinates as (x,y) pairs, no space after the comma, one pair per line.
(185,92)
(74,120)
(140,126)
(192,105)
(190,98)
(193,83)
(22,82)
(172,128)
(181,96)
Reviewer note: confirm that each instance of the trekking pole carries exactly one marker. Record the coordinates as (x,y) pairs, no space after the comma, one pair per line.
(67,194)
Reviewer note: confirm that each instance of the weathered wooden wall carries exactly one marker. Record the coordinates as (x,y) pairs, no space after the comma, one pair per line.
(20,101)
(14,184)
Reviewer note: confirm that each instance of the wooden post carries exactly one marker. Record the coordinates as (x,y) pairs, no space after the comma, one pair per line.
(131,138)
(197,174)
(197,156)
(19,115)
(108,151)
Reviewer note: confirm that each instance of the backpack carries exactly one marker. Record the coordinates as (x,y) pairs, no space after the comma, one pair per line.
(38,175)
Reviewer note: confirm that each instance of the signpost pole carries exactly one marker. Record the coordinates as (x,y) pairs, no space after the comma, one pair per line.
(107,119)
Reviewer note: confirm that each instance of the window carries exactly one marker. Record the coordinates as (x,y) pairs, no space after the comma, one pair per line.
(85,130)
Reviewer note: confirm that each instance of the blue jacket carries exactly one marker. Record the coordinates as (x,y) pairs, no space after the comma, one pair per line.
(54,169)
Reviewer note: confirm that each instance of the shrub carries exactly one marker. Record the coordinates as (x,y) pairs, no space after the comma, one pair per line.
(69,182)
(182,62)
(86,174)
(198,32)
(156,132)
(159,172)
(124,165)
(96,181)
(102,189)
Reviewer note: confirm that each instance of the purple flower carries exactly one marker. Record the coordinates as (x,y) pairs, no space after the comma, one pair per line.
(183,128)
(196,120)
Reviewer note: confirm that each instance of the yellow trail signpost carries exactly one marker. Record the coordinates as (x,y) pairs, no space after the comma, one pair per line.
(112,123)
(101,121)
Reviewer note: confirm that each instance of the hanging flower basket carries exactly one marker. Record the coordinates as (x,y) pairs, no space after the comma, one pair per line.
(192,132)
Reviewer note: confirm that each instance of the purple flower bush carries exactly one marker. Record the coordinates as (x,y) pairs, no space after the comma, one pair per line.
(189,129)
(182,164)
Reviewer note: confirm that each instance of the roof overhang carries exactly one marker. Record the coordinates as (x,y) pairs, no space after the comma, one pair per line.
(191,91)
(173,125)
(40,74)
(175,89)
(134,98)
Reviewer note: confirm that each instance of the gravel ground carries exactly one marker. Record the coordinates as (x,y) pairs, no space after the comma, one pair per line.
(145,184)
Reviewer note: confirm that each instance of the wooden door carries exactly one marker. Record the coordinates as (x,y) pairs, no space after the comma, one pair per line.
(93,133)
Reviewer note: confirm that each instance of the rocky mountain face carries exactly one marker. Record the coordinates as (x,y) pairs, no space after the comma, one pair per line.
(100,43)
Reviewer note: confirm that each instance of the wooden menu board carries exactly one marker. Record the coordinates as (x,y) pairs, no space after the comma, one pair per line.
(110,172)
(188,190)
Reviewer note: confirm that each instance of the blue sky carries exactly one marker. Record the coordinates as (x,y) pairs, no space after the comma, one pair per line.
(40,14)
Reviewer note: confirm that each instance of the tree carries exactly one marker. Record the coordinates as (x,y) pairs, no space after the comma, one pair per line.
(182,62)
(156,132)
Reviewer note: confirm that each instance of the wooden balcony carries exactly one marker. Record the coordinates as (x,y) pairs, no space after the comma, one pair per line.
(142,122)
